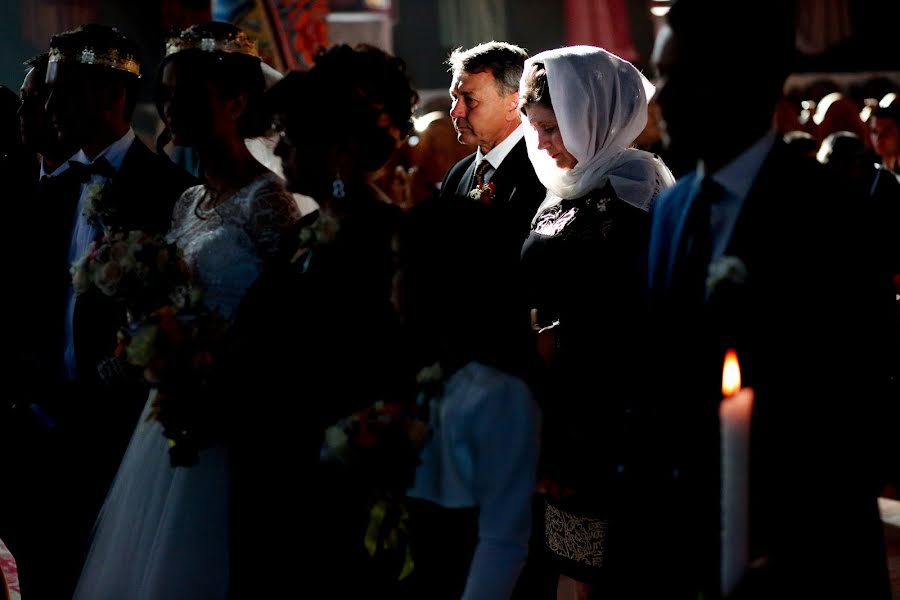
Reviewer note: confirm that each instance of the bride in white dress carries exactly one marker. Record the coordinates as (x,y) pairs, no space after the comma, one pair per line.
(163,531)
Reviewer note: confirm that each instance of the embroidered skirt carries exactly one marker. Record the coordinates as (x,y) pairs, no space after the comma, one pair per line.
(577,543)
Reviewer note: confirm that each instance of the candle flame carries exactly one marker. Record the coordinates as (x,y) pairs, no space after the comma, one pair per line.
(731,374)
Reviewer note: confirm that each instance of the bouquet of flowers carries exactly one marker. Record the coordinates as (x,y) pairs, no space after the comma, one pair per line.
(170,341)
(141,271)
(380,446)
(177,351)
(381,443)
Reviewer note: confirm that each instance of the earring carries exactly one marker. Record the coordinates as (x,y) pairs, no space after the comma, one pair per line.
(337,186)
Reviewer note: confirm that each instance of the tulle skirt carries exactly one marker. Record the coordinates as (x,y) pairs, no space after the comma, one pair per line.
(163,532)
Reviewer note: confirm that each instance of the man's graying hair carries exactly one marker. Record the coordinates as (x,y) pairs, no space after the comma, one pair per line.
(503,60)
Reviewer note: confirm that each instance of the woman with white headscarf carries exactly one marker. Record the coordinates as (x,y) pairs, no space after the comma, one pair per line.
(584,262)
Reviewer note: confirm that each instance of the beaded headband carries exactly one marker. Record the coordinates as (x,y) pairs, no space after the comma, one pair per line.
(110,58)
(237,43)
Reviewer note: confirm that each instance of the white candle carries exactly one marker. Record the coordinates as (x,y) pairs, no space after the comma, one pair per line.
(734,420)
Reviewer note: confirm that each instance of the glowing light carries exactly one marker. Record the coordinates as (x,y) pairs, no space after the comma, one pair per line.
(421,123)
(731,374)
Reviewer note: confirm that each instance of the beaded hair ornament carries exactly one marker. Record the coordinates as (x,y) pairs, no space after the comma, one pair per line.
(233,43)
(104,57)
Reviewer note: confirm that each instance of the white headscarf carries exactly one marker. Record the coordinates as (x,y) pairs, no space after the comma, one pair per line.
(600,103)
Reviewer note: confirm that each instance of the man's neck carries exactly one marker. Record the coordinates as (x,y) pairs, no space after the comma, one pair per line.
(511,126)
(51,163)
(55,157)
(716,157)
(104,139)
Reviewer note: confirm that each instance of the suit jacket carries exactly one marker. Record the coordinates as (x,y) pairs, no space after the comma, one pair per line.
(144,192)
(517,193)
(810,323)
(90,423)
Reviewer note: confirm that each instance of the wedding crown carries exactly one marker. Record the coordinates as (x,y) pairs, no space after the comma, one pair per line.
(237,43)
(111,58)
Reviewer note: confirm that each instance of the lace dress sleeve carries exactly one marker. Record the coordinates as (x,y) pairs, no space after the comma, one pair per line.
(272,212)
(182,211)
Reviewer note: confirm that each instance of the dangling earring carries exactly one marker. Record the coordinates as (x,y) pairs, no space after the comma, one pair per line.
(337,186)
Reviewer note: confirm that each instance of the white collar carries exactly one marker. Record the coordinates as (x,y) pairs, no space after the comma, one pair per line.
(738,175)
(114,153)
(63,167)
(498,153)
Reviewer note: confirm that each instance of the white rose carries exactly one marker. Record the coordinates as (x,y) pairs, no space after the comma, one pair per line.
(726,269)
(336,442)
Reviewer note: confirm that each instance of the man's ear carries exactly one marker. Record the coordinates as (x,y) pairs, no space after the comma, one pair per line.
(113,98)
(237,106)
(512,108)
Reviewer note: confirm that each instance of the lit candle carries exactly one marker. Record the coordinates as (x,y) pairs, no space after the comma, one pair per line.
(734,420)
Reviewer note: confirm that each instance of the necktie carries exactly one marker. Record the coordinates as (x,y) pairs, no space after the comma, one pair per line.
(695,250)
(481,170)
(84,172)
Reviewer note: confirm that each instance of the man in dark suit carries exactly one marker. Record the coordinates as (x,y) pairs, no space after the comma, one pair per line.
(485,114)
(92,82)
(31,190)
(758,251)
(485,93)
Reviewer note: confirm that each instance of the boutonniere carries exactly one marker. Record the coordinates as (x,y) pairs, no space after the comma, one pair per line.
(98,210)
(725,271)
(484,192)
(321,232)
(430,382)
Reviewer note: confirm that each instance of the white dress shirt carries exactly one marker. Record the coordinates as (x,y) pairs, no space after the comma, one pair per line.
(484,453)
(83,233)
(59,170)
(499,152)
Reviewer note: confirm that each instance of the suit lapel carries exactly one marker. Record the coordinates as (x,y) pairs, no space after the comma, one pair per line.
(465,182)
(505,176)
(743,229)
(754,203)
(679,215)
(127,192)
(120,198)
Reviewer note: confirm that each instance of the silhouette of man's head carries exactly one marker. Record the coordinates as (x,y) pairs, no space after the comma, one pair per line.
(884,131)
(93,80)
(721,76)
(801,143)
(485,92)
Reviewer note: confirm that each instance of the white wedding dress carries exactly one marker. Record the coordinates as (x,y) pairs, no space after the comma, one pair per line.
(163,532)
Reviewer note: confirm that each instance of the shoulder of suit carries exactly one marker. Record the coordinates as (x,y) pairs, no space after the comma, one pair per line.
(518,159)
(454,174)
(463,163)
(158,170)
(518,168)
(675,195)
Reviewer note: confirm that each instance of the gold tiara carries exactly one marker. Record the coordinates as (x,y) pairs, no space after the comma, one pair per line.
(110,58)
(238,43)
